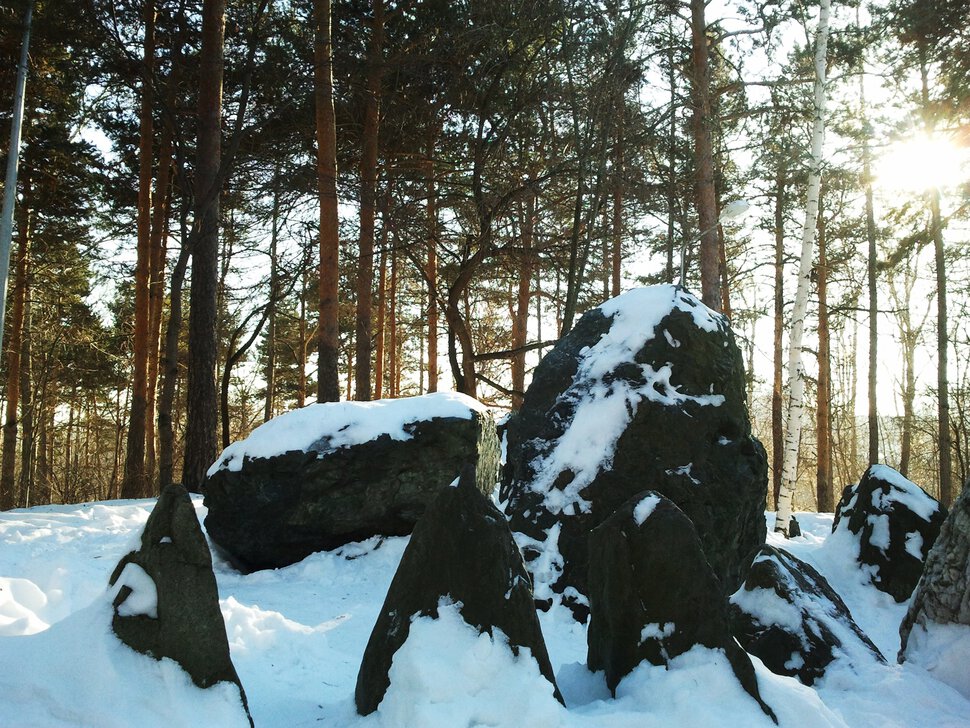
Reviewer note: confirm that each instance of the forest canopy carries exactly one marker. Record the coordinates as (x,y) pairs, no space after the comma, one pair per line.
(226,209)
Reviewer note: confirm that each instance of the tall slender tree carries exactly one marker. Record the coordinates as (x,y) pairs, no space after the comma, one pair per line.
(202,395)
(796,369)
(328,330)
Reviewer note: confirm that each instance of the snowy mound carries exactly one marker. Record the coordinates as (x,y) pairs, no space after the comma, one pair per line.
(323,428)
(78,673)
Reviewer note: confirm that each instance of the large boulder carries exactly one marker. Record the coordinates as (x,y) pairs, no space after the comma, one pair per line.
(895,523)
(461,553)
(328,474)
(653,595)
(935,632)
(647,388)
(789,616)
(165,599)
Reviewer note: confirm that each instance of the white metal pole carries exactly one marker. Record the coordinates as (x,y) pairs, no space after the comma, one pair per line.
(13,161)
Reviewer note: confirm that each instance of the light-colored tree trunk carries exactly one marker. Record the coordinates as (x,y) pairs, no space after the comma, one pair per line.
(269,404)
(871,263)
(777,398)
(379,329)
(796,368)
(824,492)
(328,329)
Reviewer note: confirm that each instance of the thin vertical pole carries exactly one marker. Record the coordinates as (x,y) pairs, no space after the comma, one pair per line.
(13,162)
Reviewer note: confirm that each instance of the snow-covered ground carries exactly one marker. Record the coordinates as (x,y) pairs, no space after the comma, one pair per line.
(297,635)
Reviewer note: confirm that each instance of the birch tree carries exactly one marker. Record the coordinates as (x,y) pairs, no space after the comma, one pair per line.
(796,367)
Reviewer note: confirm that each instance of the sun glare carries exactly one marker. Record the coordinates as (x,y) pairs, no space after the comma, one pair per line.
(921,163)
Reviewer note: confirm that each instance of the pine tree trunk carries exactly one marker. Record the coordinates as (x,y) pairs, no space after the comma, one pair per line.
(368,196)
(156,296)
(379,353)
(431,274)
(873,415)
(202,396)
(942,335)
(393,340)
(26,409)
(170,372)
(14,342)
(523,298)
(134,483)
(616,254)
(269,405)
(702,121)
(328,328)
(796,370)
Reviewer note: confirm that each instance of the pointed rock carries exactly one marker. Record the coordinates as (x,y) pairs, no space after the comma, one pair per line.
(896,524)
(461,549)
(166,602)
(789,616)
(653,595)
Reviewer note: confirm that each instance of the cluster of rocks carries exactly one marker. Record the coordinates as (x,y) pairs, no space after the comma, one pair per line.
(633,493)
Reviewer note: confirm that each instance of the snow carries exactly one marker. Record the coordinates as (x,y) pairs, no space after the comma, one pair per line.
(323,428)
(297,636)
(142,597)
(902,491)
(645,507)
(942,649)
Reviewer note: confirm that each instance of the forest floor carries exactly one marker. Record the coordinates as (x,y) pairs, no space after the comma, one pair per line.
(297,635)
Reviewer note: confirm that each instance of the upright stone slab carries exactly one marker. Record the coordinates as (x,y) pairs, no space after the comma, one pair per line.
(328,474)
(896,524)
(166,601)
(935,632)
(653,595)
(788,616)
(649,388)
(462,550)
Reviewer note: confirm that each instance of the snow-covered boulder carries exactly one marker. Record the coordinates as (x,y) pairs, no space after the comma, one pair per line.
(936,630)
(895,523)
(647,390)
(461,553)
(165,599)
(653,595)
(789,616)
(328,474)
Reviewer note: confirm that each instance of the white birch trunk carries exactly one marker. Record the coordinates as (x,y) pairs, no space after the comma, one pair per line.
(796,369)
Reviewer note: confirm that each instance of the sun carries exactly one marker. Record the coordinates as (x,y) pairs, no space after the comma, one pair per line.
(922,162)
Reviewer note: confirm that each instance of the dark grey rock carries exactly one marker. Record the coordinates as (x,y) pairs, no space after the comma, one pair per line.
(896,523)
(653,595)
(703,457)
(188,626)
(943,594)
(461,549)
(789,616)
(276,511)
